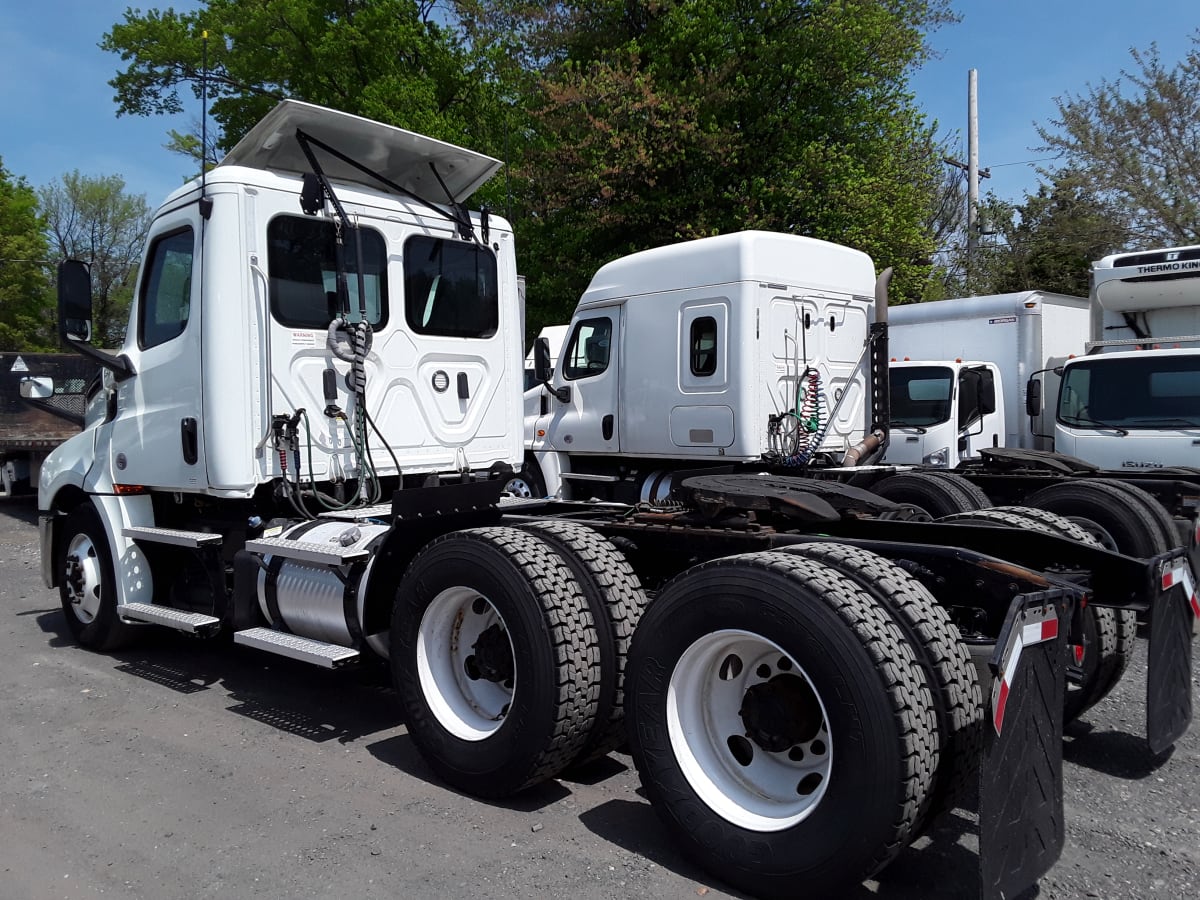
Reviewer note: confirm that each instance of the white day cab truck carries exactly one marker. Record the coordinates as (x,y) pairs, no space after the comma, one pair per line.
(304,442)
(759,359)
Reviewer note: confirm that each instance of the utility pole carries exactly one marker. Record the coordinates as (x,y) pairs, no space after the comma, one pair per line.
(973,171)
(972,168)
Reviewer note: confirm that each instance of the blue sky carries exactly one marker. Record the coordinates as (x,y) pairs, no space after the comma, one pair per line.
(57,112)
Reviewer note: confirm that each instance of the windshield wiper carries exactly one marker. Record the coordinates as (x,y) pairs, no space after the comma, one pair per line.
(1170,420)
(1088,420)
(900,423)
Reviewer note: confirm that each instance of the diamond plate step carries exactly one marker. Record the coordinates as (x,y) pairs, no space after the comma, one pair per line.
(171,536)
(331,656)
(193,623)
(306,551)
(380,511)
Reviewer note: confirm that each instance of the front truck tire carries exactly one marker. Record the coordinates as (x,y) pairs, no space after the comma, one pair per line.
(780,723)
(87,585)
(495,657)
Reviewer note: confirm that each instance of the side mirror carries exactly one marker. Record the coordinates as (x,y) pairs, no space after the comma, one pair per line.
(75,317)
(1033,398)
(37,388)
(987,392)
(543,371)
(74,301)
(541,360)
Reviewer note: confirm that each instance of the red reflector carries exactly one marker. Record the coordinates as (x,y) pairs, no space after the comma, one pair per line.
(998,718)
(1050,629)
(1078,653)
(1196,605)
(126,489)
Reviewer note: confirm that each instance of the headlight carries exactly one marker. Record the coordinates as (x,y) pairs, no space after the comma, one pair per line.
(939,459)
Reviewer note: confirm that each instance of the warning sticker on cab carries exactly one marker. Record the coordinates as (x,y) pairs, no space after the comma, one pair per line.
(1001,320)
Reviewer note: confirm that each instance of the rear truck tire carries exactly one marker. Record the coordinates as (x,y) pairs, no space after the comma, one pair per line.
(87,584)
(942,655)
(973,491)
(939,494)
(1121,518)
(1109,635)
(1166,530)
(526,483)
(495,657)
(616,600)
(780,723)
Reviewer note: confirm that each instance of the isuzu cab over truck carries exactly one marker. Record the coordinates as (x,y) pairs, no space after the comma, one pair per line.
(959,370)
(304,444)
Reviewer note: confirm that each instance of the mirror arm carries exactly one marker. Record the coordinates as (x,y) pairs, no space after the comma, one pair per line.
(121,367)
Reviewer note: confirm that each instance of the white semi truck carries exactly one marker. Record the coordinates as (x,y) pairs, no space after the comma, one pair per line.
(304,441)
(752,351)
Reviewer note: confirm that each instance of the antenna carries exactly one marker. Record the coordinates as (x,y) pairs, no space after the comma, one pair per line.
(206,203)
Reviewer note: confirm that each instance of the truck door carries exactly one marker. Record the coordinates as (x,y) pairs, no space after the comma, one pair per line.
(157,438)
(587,423)
(980,417)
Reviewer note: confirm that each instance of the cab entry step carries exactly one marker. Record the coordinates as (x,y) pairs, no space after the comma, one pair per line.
(171,536)
(330,656)
(307,551)
(193,623)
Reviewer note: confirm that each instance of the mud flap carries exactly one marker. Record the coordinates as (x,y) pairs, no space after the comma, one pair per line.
(1169,677)
(1021,830)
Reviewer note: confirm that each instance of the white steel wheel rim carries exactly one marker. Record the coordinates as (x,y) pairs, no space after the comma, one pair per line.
(518,486)
(775,790)
(83,578)
(469,708)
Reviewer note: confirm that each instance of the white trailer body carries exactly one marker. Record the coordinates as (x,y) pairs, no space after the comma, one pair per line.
(1134,401)
(1015,335)
(686,352)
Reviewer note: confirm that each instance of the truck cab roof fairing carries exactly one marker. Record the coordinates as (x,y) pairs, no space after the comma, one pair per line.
(398,155)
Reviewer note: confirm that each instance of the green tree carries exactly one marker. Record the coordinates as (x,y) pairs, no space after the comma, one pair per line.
(398,61)
(1049,241)
(93,219)
(664,120)
(25,306)
(1134,143)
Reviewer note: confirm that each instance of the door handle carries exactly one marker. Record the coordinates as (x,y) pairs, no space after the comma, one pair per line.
(187,435)
(464,389)
(606,427)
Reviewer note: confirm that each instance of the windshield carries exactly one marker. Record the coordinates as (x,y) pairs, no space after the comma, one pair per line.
(1150,391)
(921,395)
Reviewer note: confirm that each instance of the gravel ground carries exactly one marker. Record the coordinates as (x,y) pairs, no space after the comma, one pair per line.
(184,769)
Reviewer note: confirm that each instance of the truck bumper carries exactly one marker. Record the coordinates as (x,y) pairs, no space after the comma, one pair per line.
(46,545)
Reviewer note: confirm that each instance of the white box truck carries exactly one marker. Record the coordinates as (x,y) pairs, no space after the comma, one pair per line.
(960,368)
(1133,402)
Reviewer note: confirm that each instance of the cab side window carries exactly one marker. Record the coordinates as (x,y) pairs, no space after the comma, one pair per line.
(166,297)
(588,350)
(704,346)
